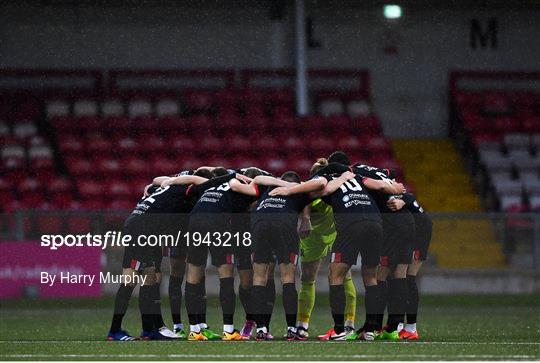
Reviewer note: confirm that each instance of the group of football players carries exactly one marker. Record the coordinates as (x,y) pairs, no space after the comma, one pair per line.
(253,221)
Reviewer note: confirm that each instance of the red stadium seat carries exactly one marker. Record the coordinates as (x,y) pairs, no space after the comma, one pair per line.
(284,124)
(169,124)
(251,96)
(88,123)
(98,145)
(378,146)
(31,192)
(531,123)
(164,166)
(264,145)
(300,165)
(349,143)
(368,125)
(338,125)
(211,146)
(226,97)
(468,98)
(126,145)
(254,123)
(117,123)
(284,111)
(80,167)
(281,96)
(71,145)
(200,124)
(524,100)
(507,124)
(228,122)
(124,205)
(274,165)
(293,144)
(119,189)
(320,145)
(496,103)
(181,145)
(135,167)
(237,145)
(91,189)
(109,167)
(190,164)
(152,144)
(198,99)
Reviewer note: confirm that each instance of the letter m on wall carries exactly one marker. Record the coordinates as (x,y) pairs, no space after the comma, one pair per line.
(484,34)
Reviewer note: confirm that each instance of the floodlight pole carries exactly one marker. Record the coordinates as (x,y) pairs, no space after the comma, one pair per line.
(300,58)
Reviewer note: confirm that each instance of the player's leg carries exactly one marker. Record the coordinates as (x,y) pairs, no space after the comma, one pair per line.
(178,267)
(336,276)
(270,295)
(306,295)
(350,301)
(383,272)
(224,261)
(194,292)
(259,298)
(121,303)
(149,304)
(370,250)
(401,236)
(262,298)
(423,232)
(245,273)
(313,250)
(290,298)
(409,331)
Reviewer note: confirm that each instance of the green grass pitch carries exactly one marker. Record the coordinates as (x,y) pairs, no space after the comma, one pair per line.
(452,328)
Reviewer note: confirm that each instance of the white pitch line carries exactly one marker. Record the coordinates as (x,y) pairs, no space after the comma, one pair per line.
(274,342)
(311,356)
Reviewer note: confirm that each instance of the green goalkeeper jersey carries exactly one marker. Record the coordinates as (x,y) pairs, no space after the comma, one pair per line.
(322,223)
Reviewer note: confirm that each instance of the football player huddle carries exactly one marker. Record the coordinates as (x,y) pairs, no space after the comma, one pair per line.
(254,221)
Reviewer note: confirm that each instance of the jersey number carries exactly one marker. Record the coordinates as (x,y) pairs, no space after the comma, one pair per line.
(224,187)
(150,198)
(351,185)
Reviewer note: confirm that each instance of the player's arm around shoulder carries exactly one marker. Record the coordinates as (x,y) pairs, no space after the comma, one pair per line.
(334,184)
(312,185)
(386,186)
(183,180)
(238,186)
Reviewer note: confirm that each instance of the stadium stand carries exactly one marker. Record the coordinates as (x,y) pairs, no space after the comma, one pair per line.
(114,139)
(498,124)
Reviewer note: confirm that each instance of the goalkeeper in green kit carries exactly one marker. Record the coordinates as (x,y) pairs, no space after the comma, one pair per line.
(318,232)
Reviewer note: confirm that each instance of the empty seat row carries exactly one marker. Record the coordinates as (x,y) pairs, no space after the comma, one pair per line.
(498,102)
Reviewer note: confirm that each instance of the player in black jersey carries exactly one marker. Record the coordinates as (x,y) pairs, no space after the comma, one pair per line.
(152,216)
(241,223)
(396,252)
(274,223)
(177,254)
(359,231)
(422,239)
(210,220)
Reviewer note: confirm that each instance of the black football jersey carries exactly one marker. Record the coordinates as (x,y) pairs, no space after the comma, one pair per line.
(284,208)
(216,196)
(351,202)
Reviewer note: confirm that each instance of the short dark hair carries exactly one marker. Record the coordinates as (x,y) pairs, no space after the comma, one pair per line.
(339,157)
(291,176)
(152,189)
(204,173)
(220,171)
(252,172)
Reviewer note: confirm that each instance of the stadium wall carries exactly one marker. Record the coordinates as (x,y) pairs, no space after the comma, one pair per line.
(409,60)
